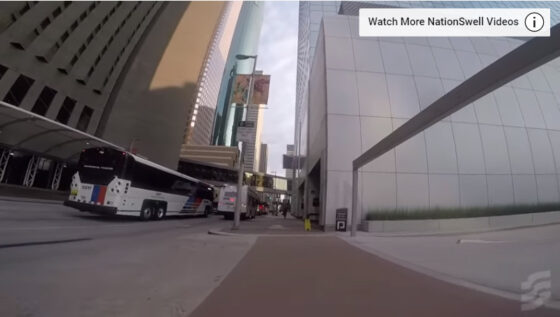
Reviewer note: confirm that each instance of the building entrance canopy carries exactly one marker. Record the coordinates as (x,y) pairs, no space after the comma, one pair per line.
(27,131)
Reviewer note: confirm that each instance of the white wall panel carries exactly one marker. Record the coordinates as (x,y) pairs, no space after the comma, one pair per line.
(344,142)
(473,190)
(537,80)
(441,42)
(487,110)
(470,63)
(429,90)
(500,190)
(519,150)
(530,108)
(342,92)
(483,46)
(550,109)
(402,93)
(469,148)
(339,53)
(379,191)
(368,56)
(372,131)
(395,58)
(554,137)
(447,63)
(337,26)
(411,154)
(547,186)
(509,107)
(444,190)
(462,43)
(542,152)
(440,147)
(412,190)
(373,95)
(422,61)
(495,149)
(525,188)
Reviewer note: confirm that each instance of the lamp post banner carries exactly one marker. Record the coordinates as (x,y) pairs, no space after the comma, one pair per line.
(260,89)
(240,89)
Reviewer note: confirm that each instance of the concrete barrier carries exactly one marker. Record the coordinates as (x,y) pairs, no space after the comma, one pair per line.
(461,224)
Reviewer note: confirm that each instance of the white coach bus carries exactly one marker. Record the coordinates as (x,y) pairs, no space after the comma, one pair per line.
(114,182)
(226,202)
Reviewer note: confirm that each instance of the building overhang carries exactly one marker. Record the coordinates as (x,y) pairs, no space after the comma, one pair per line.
(24,130)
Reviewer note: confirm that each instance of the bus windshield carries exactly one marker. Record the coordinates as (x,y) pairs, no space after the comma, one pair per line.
(100,165)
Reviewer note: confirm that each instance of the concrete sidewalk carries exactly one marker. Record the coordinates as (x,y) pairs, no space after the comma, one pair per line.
(325,276)
(496,262)
(269,225)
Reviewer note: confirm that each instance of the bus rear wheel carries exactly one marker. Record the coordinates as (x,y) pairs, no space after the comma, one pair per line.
(160,213)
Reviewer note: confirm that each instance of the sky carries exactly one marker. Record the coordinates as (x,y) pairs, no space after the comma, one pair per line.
(278,57)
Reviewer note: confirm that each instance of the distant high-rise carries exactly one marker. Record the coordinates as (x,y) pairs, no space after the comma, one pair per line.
(245,42)
(252,150)
(199,128)
(123,71)
(289,153)
(263,164)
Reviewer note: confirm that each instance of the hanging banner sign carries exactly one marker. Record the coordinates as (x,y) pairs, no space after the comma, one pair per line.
(240,89)
(260,89)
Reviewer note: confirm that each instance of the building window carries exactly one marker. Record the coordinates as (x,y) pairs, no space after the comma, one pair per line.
(57,12)
(66,110)
(19,90)
(44,101)
(3,70)
(85,117)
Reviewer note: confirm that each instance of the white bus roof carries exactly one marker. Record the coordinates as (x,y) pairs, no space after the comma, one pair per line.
(163,168)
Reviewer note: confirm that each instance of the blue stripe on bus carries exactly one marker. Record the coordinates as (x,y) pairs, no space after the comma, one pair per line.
(95,193)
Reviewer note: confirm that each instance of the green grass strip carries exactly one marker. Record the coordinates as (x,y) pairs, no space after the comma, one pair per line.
(451,213)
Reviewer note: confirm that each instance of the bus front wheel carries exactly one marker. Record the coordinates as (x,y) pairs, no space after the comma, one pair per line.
(146,213)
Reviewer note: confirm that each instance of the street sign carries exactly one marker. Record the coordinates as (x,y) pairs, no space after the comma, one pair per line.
(246,124)
(341,219)
(246,131)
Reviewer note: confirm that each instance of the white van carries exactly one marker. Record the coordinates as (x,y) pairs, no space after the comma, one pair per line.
(226,202)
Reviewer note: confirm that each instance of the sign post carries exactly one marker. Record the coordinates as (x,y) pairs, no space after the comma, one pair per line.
(341,219)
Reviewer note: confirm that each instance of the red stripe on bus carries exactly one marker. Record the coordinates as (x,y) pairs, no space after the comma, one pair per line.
(101,196)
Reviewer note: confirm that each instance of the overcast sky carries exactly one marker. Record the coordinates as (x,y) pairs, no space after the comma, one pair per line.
(278,57)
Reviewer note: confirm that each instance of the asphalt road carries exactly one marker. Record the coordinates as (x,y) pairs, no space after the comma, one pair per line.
(57,261)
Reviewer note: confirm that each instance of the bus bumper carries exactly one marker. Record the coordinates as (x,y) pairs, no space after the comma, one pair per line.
(106,210)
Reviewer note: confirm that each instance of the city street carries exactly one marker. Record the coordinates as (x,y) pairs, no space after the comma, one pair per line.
(56,261)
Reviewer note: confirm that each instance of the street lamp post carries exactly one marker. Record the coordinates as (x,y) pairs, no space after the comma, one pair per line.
(237,214)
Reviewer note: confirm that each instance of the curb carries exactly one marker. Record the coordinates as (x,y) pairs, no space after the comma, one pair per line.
(31,200)
(219,232)
(450,233)
(554,304)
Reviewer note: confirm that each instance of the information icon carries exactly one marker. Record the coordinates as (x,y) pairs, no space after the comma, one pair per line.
(534,22)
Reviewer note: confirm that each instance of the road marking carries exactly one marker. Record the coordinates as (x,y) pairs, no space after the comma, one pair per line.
(480,241)
(62,227)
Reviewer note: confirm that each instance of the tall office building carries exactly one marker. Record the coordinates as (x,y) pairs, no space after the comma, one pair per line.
(245,42)
(290,154)
(123,71)
(199,128)
(502,149)
(263,164)
(252,150)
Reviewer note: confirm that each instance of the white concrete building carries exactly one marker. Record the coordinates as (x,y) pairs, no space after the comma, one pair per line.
(503,149)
